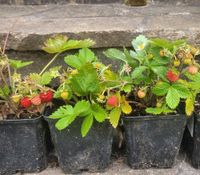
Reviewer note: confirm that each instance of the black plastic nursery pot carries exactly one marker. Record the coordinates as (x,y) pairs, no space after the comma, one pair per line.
(76,154)
(153,141)
(22,146)
(191,143)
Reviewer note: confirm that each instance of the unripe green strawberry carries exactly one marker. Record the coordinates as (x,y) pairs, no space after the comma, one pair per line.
(187,61)
(194,50)
(177,63)
(15,98)
(64,95)
(158,104)
(162,53)
(113,101)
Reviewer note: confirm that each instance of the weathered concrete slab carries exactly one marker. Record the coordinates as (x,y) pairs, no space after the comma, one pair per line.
(119,167)
(39,2)
(110,25)
(134,2)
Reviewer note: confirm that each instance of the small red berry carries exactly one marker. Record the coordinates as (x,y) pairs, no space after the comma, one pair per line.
(25,102)
(192,69)
(36,100)
(171,76)
(46,96)
(112,101)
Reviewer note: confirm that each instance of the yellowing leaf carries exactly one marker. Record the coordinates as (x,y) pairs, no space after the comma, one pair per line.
(126,108)
(189,106)
(115,116)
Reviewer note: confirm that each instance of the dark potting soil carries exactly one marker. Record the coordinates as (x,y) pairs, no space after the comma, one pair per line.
(24,115)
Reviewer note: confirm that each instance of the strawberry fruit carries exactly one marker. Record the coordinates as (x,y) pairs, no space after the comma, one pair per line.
(25,102)
(141,94)
(171,76)
(46,96)
(192,69)
(112,101)
(36,100)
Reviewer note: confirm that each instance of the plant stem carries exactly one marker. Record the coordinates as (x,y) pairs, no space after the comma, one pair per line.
(5,43)
(50,62)
(3,79)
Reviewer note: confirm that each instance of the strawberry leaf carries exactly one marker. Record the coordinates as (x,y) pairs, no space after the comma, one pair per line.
(86,125)
(172,98)
(115,116)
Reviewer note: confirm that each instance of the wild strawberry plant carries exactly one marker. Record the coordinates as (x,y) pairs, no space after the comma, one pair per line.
(159,72)
(90,91)
(30,94)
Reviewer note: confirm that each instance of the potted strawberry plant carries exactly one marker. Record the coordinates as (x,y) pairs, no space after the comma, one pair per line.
(89,90)
(191,142)
(22,101)
(159,71)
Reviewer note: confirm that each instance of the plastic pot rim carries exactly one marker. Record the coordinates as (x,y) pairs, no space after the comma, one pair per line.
(154,117)
(21,121)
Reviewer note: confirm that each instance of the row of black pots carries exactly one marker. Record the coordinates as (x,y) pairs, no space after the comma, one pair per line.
(191,140)
(151,141)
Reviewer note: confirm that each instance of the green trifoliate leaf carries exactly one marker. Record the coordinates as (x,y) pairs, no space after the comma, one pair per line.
(17,64)
(86,125)
(158,111)
(127,88)
(161,88)
(182,90)
(115,54)
(63,111)
(82,107)
(160,71)
(73,61)
(154,111)
(137,72)
(86,81)
(99,113)
(65,122)
(172,98)
(87,55)
(163,43)
(55,44)
(60,43)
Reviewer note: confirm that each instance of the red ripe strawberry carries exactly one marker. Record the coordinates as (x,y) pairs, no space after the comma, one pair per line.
(36,100)
(25,102)
(46,96)
(192,70)
(112,101)
(171,76)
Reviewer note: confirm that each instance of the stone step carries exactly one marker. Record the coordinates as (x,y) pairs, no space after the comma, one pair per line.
(109,25)
(40,2)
